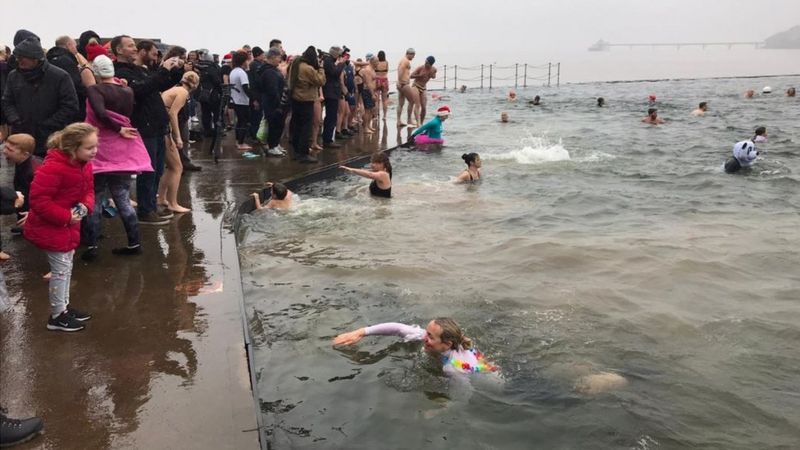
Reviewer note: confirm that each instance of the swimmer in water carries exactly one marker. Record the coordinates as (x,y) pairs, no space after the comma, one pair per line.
(504,117)
(652,117)
(761,135)
(749,93)
(431,132)
(280,197)
(463,88)
(442,339)
(701,110)
(744,155)
(536,101)
(512,96)
(381,175)
(790,92)
(473,171)
(651,100)
(601,102)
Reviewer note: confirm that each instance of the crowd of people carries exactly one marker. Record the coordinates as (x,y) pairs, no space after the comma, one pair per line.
(82,120)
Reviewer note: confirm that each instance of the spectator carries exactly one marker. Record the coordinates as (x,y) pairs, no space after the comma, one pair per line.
(256,68)
(240,94)
(149,116)
(38,98)
(209,92)
(305,79)
(332,91)
(273,83)
(63,57)
(19,152)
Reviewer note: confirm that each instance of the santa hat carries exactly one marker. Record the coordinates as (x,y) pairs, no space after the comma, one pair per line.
(443,111)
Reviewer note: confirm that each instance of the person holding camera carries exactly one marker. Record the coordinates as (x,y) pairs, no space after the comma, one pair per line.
(333,63)
(305,78)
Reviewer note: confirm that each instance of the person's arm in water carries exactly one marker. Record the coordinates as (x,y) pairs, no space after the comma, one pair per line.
(380,176)
(463,178)
(407,332)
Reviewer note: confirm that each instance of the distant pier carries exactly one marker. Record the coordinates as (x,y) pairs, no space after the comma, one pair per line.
(602,45)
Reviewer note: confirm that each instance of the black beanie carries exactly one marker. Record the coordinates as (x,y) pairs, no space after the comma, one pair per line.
(29,48)
(21,35)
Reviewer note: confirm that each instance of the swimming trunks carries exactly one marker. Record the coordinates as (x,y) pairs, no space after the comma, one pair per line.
(366,97)
(376,190)
(420,88)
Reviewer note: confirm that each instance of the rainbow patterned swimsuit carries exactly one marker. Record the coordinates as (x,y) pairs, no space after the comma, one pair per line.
(479,364)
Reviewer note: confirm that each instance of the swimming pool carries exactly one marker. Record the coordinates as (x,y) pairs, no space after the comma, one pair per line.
(594,244)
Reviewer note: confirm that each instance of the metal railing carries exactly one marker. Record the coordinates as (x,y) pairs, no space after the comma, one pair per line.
(488,75)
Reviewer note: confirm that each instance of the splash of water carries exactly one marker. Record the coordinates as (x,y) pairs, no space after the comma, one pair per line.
(536,150)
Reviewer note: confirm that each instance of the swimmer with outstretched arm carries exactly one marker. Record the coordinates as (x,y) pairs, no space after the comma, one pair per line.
(442,338)
(280,197)
(473,171)
(381,175)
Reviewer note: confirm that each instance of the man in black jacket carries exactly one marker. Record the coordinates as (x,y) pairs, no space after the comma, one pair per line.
(38,98)
(63,57)
(272,84)
(332,91)
(149,114)
(209,93)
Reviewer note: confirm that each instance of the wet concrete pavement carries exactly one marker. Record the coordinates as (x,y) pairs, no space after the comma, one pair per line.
(162,363)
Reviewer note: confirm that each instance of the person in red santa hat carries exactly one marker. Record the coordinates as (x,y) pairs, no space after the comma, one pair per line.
(431,132)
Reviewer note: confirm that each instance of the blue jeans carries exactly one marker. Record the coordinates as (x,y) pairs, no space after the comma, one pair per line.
(120,186)
(60,275)
(147,182)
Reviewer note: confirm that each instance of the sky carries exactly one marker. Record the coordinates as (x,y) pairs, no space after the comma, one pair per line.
(464,32)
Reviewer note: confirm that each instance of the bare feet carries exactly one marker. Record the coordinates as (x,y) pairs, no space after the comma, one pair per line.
(316,147)
(243,147)
(134,204)
(400,124)
(178,209)
(4,256)
(47,276)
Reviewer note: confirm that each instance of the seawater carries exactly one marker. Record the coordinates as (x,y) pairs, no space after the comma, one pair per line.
(594,244)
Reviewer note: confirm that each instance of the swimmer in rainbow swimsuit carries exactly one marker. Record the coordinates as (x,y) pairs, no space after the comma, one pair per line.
(431,132)
(442,339)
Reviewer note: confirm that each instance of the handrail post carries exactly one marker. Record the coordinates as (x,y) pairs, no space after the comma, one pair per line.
(549,66)
(455,76)
(525,77)
(481,76)
(516,74)
(558,76)
(490,76)
(445,77)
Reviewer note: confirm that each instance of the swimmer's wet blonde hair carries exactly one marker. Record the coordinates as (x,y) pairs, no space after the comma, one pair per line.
(453,334)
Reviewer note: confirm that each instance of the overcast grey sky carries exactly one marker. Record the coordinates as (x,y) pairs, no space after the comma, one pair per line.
(463,32)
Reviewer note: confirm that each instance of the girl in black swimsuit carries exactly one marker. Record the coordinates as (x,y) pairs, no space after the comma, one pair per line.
(473,171)
(381,175)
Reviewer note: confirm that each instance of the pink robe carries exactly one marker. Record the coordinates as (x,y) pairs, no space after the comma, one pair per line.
(114,152)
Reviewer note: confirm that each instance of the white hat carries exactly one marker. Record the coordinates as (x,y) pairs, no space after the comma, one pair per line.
(767,90)
(103,67)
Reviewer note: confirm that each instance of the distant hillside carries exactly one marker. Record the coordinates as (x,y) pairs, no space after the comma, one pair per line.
(787,39)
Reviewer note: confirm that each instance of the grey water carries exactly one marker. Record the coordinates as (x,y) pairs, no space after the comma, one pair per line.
(594,244)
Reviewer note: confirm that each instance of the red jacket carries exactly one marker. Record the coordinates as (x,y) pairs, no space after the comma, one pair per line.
(59,184)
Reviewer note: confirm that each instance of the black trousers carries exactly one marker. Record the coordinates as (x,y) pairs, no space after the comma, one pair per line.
(275,120)
(242,122)
(210,117)
(302,115)
(331,115)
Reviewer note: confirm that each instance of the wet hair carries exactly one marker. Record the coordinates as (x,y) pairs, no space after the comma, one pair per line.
(175,50)
(381,56)
(238,59)
(702,105)
(25,142)
(191,80)
(651,110)
(761,131)
(452,334)
(116,41)
(600,101)
(145,45)
(275,43)
(383,158)
(469,158)
(70,139)
(279,191)
(537,98)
